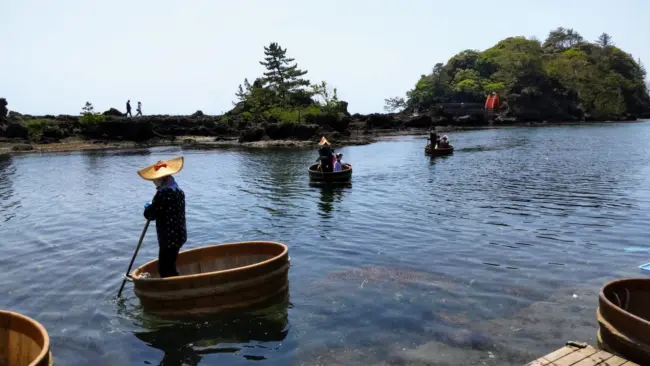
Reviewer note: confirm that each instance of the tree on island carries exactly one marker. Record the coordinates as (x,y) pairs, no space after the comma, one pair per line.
(564,77)
(282,75)
(605,40)
(283,92)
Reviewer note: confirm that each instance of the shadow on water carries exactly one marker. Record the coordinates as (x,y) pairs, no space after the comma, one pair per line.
(330,193)
(186,342)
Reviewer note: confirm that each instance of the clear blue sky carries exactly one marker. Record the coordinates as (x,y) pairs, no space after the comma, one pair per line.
(180,56)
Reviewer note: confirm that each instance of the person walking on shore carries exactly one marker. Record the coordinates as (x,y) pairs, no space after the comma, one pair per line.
(167,208)
(128,108)
(139,110)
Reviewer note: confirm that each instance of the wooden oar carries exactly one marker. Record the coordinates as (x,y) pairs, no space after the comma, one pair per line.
(144,231)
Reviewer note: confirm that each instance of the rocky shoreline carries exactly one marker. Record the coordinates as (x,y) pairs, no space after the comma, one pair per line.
(63,133)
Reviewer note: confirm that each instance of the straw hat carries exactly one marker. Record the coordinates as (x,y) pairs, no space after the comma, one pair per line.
(162,169)
(323,141)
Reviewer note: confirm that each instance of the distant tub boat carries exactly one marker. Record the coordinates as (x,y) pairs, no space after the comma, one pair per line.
(343,176)
(23,341)
(215,279)
(439,151)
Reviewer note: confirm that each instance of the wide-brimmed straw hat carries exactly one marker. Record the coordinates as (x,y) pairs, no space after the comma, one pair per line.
(323,141)
(162,169)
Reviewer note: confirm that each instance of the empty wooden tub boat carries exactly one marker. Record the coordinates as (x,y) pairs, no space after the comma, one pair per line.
(23,341)
(216,278)
(428,150)
(623,319)
(343,176)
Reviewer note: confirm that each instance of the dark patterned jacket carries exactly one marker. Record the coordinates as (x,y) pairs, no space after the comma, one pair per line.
(168,210)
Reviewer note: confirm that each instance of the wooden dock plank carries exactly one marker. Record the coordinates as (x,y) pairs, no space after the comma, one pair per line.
(557,354)
(580,356)
(574,357)
(627,363)
(617,361)
(539,362)
(595,359)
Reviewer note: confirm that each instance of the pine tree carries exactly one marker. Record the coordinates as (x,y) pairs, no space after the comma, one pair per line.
(282,76)
(605,40)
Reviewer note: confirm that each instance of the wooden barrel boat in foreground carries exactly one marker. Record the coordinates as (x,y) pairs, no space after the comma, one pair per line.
(23,341)
(439,151)
(623,315)
(343,176)
(216,278)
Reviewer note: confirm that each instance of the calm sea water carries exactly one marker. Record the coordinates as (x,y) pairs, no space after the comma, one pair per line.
(494,255)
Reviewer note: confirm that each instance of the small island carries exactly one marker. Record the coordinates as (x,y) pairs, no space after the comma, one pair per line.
(563,79)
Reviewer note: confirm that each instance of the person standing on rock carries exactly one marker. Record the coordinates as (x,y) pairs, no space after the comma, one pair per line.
(128,108)
(167,208)
(139,110)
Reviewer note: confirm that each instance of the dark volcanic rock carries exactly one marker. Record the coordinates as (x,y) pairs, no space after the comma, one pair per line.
(197,114)
(121,130)
(253,134)
(378,120)
(14,116)
(113,112)
(22,147)
(337,124)
(422,121)
(3,111)
(54,132)
(298,131)
(16,130)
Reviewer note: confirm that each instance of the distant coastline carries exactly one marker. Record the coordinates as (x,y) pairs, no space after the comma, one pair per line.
(564,79)
(48,134)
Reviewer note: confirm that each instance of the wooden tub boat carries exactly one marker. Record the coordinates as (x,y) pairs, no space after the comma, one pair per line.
(23,341)
(343,176)
(439,151)
(623,319)
(215,279)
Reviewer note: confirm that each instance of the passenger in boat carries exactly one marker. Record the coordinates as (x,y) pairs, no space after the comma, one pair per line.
(325,155)
(338,166)
(167,208)
(444,143)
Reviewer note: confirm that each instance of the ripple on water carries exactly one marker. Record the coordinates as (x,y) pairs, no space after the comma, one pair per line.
(418,259)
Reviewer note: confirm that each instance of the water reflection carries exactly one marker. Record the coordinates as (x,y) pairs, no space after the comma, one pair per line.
(7,171)
(250,335)
(330,193)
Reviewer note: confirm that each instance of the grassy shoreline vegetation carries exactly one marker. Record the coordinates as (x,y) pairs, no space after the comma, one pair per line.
(562,79)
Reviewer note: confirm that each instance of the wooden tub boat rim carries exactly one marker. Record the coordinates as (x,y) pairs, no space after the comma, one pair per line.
(451,147)
(330,173)
(45,349)
(616,307)
(285,250)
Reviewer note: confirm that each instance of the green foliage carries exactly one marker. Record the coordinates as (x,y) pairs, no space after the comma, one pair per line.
(563,76)
(283,94)
(330,104)
(292,115)
(605,40)
(36,126)
(394,104)
(89,117)
(281,75)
